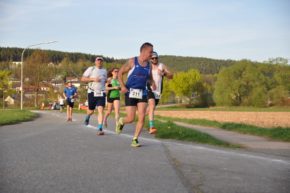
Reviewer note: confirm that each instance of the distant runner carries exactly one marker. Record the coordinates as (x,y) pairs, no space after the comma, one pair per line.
(113,97)
(96,77)
(159,70)
(61,103)
(139,73)
(70,93)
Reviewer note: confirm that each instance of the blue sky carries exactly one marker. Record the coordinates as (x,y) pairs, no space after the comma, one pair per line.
(225,29)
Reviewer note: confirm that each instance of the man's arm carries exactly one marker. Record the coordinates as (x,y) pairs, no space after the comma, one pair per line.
(88,79)
(151,81)
(167,72)
(86,76)
(123,70)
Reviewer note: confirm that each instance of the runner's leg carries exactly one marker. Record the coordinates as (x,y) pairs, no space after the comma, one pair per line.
(117,109)
(109,111)
(130,115)
(100,117)
(151,104)
(141,118)
(67,112)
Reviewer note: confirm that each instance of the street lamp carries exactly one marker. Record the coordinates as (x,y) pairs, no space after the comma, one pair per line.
(21,78)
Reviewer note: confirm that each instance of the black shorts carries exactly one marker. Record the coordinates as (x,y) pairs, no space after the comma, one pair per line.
(152,96)
(134,102)
(111,100)
(94,102)
(69,103)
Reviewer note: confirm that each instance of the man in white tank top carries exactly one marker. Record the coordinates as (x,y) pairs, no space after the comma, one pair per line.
(96,77)
(159,70)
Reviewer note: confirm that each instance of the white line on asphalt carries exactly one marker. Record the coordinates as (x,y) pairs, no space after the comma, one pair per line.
(193,146)
(203,148)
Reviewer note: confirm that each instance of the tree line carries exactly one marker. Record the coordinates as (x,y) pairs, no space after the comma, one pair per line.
(245,83)
(197,81)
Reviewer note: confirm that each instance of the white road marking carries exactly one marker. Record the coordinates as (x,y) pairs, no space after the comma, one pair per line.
(232,153)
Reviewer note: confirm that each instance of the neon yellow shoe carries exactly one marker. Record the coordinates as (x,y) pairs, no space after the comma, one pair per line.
(135,143)
(119,127)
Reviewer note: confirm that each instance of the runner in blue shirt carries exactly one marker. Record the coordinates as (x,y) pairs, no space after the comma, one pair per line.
(139,74)
(70,93)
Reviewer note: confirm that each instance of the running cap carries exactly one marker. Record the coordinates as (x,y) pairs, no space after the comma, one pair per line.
(154,54)
(99,58)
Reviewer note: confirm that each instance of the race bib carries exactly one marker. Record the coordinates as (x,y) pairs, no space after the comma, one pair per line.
(136,93)
(157,95)
(98,94)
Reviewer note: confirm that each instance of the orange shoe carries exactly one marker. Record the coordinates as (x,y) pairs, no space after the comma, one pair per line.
(100,133)
(152,130)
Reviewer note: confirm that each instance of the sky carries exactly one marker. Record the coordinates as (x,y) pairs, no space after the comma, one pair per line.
(221,29)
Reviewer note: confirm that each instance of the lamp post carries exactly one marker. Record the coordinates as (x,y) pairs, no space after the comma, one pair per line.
(21,76)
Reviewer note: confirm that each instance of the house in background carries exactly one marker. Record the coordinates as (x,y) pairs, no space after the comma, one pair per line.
(9,100)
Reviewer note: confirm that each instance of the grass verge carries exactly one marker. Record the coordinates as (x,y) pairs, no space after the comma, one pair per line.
(169,130)
(276,133)
(8,117)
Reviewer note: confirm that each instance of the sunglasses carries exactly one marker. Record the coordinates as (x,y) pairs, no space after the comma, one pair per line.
(155,58)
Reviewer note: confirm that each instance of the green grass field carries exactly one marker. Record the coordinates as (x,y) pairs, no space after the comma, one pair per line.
(8,117)
(280,134)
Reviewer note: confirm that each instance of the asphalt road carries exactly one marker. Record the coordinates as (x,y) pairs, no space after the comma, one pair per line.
(50,155)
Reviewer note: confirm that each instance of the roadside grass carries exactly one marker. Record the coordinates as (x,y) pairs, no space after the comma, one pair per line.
(8,117)
(169,130)
(237,109)
(275,133)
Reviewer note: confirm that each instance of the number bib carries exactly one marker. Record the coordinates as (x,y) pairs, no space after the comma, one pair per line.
(157,95)
(136,93)
(98,93)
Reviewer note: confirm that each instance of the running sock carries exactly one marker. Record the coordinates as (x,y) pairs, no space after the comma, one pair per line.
(100,127)
(151,124)
(135,138)
(88,117)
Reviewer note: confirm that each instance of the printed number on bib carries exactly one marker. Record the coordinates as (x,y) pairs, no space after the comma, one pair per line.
(136,93)
(98,93)
(157,95)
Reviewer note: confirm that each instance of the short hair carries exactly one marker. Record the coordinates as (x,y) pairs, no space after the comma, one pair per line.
(145,45)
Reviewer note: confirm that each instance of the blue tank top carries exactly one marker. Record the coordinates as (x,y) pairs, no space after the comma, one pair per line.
(138,76)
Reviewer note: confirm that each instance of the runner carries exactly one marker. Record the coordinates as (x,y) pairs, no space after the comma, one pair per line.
(135,91)
(96,77)
(61,104)
(113,96)
(69,93)
(159,70)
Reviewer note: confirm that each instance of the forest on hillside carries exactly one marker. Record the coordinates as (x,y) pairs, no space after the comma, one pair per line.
(176,63)
(197,81)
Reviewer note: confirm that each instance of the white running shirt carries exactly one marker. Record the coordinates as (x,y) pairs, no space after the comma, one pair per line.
(157,78)
(94,72)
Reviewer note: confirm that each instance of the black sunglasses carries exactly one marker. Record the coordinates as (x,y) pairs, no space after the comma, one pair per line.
(155,58)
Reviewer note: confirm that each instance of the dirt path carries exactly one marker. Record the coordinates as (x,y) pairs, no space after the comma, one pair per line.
(264,119)
(242,139)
